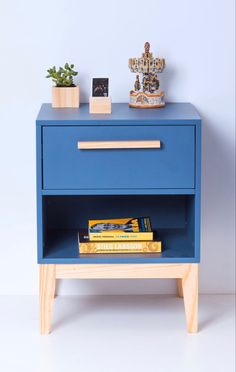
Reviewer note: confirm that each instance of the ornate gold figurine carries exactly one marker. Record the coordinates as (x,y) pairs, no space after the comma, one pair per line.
(147,94)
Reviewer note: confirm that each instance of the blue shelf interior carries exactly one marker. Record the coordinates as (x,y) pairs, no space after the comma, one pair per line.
(171,215)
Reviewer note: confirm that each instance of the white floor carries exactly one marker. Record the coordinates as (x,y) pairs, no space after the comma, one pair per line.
(117,334)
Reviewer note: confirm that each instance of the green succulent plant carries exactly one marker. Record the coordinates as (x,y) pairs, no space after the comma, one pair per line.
(63,77)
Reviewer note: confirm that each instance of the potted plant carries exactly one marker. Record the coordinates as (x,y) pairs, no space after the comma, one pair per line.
(65,93)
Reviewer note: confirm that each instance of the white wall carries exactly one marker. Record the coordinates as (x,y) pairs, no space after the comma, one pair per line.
(197,40)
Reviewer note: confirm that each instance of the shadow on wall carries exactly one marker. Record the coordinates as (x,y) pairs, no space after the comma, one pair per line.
(83,83)
(116,287)
(217,222)
(217,172)
(167,80)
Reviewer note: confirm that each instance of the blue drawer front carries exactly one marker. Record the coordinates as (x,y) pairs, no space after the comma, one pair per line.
(67,167)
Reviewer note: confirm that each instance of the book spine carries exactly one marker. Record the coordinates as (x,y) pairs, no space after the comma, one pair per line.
(120,247)
(109,236)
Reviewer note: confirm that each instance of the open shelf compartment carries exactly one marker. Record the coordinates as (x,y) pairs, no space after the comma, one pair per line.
(172,216)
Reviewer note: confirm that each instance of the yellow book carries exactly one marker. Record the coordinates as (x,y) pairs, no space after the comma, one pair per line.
(88,247)
(125,229)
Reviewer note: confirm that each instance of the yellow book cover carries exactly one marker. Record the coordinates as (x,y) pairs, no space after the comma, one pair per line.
(138,228)
(88,247)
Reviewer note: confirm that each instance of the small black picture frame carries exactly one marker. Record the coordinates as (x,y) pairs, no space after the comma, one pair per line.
(100,87)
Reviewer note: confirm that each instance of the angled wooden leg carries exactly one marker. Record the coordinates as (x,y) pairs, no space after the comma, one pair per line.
(46,296)
(179,287)
(190,292)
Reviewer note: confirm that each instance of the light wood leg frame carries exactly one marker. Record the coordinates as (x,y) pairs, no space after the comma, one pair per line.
(186,275)
(190,292)
(46,296)
(179,287)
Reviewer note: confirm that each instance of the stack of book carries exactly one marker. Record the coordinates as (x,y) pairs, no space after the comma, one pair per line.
(123,235)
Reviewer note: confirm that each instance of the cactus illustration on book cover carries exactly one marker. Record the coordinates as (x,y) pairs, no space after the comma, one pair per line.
(138,228)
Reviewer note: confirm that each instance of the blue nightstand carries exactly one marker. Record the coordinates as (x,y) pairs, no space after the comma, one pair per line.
(133,162)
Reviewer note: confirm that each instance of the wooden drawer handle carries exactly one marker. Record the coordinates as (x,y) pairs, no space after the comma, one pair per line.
(103,145)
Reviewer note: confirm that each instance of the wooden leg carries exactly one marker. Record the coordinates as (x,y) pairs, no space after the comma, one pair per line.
(190,292)
(46,294)
(179,287)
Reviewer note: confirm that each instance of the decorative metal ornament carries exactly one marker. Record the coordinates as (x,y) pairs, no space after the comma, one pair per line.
(147,94)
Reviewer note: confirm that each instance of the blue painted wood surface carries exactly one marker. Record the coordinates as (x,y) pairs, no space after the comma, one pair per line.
(61,207)
(165,211)
(122,114)
(67,167)
(118,192)
(62,247)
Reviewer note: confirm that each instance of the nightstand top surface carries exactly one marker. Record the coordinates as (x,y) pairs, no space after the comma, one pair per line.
(122,114)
